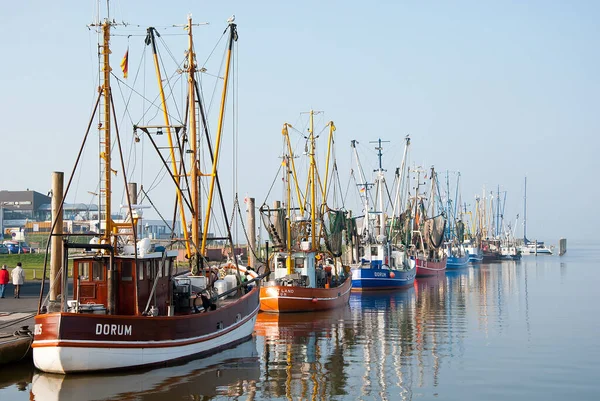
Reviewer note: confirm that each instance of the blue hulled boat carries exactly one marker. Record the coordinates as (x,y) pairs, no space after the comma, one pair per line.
(382,264)
(457,262)
(375,275)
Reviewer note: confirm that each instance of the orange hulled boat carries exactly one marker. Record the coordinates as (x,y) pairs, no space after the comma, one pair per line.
(306,270)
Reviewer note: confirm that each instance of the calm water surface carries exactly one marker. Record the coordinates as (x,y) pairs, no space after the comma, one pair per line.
(512,330)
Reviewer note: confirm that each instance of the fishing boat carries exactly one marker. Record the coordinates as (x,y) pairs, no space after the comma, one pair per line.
(474,252)
(428,232)
(458,257)
(474,232)
(531,247)
(383,264)
(128,308)
(306,269)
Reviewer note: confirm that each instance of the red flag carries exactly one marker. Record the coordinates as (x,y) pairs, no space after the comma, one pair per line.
(125,63)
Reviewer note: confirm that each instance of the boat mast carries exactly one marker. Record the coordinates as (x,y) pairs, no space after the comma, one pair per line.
(364,185)
(285,133)
(313,189)
(433,179)
(150,39)
(329,144)
(398,201)
(193,140)
(288,222)
(380,184)
(213,174)
(105,140)
(525,214)
(498,212)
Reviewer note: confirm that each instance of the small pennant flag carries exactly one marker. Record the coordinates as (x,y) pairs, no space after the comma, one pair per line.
(362,189)
(125,64)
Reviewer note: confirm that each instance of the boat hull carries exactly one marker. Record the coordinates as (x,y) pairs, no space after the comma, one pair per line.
(459,262)
(510,257)
(475,257)
(370,279)
(282,299)
(532,251)
(15,348)
(428,268)
(71,342)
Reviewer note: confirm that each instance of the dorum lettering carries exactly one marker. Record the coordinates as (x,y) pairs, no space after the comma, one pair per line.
(113,329)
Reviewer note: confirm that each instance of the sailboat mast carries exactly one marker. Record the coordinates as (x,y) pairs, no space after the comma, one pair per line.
(105,127)
(525,214)
(213,174)
(193,138)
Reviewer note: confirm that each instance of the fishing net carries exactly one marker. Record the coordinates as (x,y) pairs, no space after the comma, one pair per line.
(434,231)
(333,227)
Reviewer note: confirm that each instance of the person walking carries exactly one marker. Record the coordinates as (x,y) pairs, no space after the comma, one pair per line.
(18,279)
(3,280)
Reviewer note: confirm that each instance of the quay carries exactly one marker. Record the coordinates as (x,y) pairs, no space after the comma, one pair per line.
(15,314)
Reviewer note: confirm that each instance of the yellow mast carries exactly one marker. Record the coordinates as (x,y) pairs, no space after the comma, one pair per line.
(105,141)
(176,174)
(329,143)
(213,175)
(288,261)
(285,133)
(194,162)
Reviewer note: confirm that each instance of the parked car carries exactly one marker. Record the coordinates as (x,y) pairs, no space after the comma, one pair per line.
(3,249)
(17,247)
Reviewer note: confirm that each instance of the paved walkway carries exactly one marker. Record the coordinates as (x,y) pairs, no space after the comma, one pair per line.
(14,312)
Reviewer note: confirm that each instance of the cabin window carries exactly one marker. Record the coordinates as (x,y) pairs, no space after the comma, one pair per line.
(97,271)
(374,251)
(299,263)
(167,267)
(159,268)
(84,270)
(149,269)
(140,269)
(126,270)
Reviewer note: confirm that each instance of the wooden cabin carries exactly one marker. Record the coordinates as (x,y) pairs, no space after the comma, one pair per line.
(133,281)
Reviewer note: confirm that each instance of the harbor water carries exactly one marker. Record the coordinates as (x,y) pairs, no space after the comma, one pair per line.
(525,330)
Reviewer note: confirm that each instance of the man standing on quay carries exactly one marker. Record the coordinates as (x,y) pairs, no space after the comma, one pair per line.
(18,277)
(3,280)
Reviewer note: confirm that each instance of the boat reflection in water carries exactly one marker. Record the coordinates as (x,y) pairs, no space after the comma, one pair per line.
(231,373)
(16,374)
(384,326)
(304,354)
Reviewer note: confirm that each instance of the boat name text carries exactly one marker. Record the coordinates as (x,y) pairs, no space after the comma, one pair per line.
(113,329)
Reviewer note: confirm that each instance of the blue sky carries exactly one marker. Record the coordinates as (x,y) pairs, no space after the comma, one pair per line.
(495,90)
